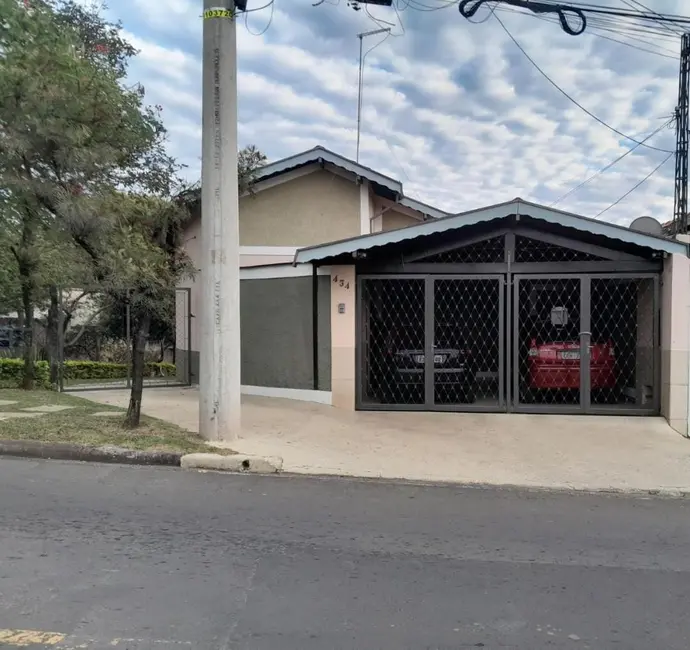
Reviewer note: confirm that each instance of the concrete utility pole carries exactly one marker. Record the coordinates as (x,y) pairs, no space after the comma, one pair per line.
(360,84)
(219,364)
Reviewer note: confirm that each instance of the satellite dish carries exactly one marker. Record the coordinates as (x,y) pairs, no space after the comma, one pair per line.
(647,225)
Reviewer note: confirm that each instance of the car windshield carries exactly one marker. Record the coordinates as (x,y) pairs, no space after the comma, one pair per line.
(411,337)
(408,337)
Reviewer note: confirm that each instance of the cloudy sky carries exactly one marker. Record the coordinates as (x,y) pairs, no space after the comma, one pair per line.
(452,109)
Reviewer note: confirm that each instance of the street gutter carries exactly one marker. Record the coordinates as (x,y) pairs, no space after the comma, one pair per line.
(102,454)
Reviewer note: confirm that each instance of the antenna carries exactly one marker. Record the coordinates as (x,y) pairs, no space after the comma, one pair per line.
(361,38)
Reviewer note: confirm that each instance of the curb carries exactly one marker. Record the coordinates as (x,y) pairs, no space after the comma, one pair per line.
(236,463)
(70,451)
(572,490)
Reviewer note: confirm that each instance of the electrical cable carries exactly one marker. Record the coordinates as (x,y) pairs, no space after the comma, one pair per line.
(379,22)
(594,29)
(632,189)
(676,19)
(660,32)
(567,96)
(635,4)
(487,17)
(420,6)
(611,164)
(270,4)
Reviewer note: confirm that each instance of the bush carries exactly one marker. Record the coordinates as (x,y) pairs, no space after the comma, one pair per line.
(102,370)
(11,371)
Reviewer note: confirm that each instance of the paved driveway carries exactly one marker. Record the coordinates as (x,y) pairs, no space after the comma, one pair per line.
(585,452)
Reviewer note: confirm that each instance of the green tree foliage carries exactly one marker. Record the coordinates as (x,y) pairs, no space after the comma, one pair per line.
(141,262)
(70,128)
(249,160)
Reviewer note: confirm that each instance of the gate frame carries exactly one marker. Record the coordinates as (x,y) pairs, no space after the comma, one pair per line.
(429,322)
(174,383)
(585,406)
(615,264)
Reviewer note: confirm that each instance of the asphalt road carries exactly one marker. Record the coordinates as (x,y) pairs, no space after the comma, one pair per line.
(142,558)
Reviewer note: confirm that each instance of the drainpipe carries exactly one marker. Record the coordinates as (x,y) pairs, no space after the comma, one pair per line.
(315,325)
(686,306)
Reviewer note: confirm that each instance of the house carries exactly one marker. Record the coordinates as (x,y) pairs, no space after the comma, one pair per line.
(307,199)
(356,296)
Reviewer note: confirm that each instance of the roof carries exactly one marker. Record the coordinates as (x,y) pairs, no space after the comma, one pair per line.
(517,206)
(321,154)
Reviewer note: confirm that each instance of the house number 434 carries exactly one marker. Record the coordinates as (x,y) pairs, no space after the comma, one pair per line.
(340,282)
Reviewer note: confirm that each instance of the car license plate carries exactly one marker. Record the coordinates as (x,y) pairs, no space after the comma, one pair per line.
(438,358)
(570,355)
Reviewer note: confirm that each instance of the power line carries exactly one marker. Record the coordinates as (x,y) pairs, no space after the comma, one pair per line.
(602,10)
(270,4)
(565,94)
(632,189)
(594,29)
(611,164)
(639,5)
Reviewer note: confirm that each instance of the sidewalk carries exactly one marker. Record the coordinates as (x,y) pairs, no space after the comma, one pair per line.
(553,451)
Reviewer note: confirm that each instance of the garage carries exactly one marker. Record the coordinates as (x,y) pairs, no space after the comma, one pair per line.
(511,308)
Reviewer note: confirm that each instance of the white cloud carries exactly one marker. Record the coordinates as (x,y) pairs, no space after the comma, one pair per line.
(451,108)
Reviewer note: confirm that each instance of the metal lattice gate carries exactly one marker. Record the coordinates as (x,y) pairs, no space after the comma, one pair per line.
(580,343)
(586,343)
(431,342)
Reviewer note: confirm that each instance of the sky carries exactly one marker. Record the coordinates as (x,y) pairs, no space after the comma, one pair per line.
(451,108)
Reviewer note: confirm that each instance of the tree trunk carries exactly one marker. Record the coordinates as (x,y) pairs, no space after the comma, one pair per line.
(26,265)
(29,377)
(141,337)
(53,337)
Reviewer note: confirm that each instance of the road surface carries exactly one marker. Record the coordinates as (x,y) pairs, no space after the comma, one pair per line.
(96,556)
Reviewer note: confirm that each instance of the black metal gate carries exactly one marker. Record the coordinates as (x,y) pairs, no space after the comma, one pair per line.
(432,342)
(570,343)
(586,343)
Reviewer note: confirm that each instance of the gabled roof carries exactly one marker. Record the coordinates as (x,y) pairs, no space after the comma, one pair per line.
(517,206)
(320,154)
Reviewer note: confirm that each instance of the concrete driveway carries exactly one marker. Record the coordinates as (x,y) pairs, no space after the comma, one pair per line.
(582,452)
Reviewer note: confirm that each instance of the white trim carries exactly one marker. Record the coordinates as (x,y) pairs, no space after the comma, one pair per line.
(364,208)
(400,209)
(300,394)
(268,250)
(284,177)
(319,154)
(423,208)
(294,174)
(280,271)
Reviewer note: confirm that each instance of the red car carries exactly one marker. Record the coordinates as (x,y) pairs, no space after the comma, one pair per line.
(557,365)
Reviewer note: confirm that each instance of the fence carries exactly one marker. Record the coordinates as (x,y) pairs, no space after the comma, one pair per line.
(84,342)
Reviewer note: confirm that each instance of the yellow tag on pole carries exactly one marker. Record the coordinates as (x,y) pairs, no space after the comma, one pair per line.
(219,12)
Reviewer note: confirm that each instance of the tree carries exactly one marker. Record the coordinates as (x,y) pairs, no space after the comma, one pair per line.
(249,161)
(70,129)
(140,263)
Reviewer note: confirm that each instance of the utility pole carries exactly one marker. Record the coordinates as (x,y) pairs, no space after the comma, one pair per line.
(360,85)
(219,364)
(680,202)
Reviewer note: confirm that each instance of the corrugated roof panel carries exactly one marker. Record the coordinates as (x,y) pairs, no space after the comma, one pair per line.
(483,215)
(317,153)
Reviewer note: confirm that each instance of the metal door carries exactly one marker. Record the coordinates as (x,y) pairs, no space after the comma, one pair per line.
(550,364)
(625,350)
(431,343)
(466,356)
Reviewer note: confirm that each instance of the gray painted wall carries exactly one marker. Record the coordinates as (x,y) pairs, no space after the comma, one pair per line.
(276,331)
(276,327)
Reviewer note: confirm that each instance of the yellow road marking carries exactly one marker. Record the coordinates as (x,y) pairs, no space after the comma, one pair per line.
(21,638)
(25,638)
